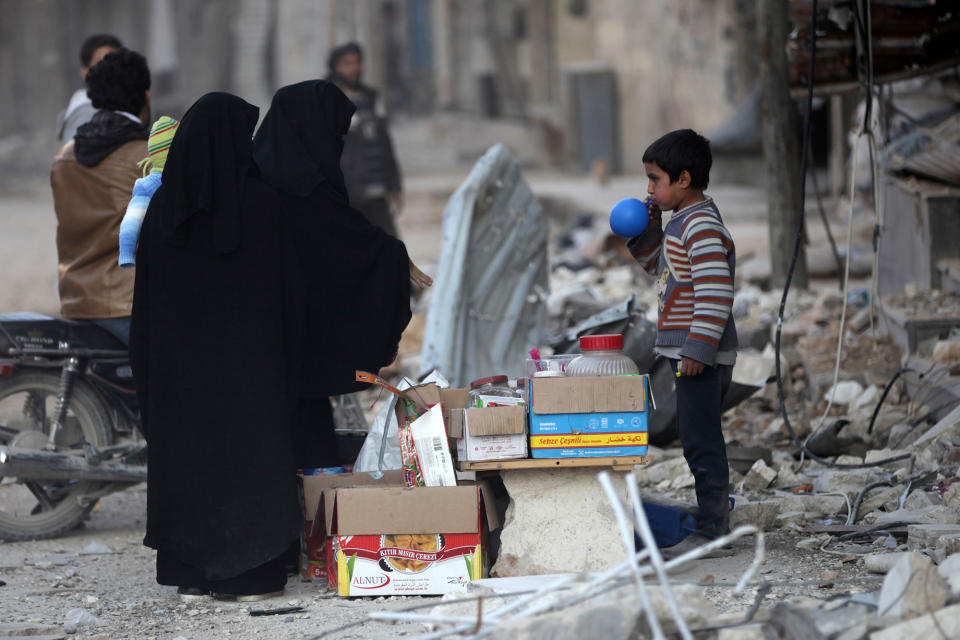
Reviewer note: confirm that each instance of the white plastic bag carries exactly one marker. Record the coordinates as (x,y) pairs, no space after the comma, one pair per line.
(381,449)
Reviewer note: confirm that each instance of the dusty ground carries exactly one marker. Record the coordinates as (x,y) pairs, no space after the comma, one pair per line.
(119,587)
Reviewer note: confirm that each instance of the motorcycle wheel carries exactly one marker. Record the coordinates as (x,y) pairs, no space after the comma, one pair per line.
(38,509)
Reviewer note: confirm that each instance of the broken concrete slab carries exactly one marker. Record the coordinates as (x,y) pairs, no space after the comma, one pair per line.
(913,587)
(927,626)
(831,623)
(666,471)
(762,514)
(535,541)
(923,536)
(882,562)
(759,631)
(621,617)
(759,477)
(930,515)
(877,498)
(949,569)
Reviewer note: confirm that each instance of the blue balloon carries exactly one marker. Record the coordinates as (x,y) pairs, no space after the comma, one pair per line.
(629,217)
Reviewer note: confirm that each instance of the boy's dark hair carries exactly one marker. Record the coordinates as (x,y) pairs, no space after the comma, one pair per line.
(682,150)
(119,82)
(94,42)
(342,50)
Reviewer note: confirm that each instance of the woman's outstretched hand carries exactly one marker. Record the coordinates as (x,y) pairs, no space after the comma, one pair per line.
(419,278)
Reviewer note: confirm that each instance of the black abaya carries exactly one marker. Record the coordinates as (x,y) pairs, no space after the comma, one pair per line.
(211,358)
(354,278)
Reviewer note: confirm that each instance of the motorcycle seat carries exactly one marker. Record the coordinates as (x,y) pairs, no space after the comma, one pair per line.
(38,331)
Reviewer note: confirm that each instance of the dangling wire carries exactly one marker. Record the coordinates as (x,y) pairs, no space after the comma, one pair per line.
(793,263)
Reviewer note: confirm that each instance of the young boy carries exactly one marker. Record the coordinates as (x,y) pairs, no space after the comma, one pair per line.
(693,258)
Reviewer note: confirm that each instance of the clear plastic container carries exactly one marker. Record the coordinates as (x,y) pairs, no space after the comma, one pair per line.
(485,391)
(601,356)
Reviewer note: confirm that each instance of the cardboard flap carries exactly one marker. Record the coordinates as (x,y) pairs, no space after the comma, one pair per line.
(375,511)
(313,486)
(495,421)
(589,395)
(454,400)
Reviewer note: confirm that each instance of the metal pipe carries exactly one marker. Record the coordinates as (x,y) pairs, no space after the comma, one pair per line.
(33,464)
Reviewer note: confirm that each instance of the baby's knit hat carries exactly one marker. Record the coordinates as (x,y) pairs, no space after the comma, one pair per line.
(158,144)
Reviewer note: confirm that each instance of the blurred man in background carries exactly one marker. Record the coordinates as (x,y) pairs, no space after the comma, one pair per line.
(80,110)
(368,162)
(92,178)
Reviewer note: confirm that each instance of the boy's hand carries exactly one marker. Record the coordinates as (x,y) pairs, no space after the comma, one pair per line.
(653,210)
(691,367)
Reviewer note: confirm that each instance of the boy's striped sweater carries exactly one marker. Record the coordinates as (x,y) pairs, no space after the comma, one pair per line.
(694,257)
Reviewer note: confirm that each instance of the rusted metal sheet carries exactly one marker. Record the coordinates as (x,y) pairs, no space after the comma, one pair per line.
(909,38)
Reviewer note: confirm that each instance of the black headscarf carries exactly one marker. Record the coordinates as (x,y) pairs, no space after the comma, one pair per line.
(355,278)
(299,143)
(206,167)
(211,354)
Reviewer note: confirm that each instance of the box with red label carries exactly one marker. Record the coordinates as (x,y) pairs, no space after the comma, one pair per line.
(406,541)
(313,541)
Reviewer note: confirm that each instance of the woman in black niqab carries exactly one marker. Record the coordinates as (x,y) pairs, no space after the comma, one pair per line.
(355,278)
(210,356)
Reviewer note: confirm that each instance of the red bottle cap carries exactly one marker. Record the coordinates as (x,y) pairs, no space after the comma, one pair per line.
(490,380)
(612,342)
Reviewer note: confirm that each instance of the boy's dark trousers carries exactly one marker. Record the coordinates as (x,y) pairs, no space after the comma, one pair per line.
(698,421)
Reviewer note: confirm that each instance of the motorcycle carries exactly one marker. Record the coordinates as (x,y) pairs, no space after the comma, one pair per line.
(69,424)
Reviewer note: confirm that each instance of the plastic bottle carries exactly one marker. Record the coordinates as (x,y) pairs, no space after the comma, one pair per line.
(601,356)
(483,392)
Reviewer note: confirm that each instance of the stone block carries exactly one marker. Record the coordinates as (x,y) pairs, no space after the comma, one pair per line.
(927,626)
(787,477)
(946,351)
(930,515)
(814,506)
(882,454)
(877,498)
(924,536)
(844,481)
(946,546)
(912,588)
(758,631)
(759,477)
(762,514)
(920,499)
(666,471)
(558,521)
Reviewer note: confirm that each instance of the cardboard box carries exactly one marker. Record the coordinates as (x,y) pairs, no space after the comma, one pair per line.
(314,541)
(405,541)
(492,433)
(589,417)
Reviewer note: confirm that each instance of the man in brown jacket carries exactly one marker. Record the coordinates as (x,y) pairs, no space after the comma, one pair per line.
(92,179)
